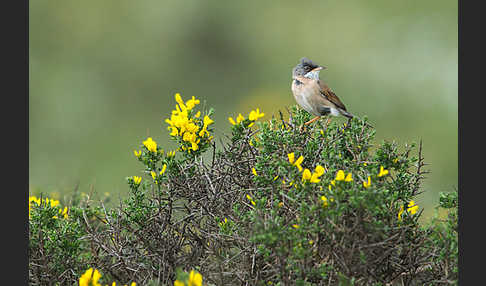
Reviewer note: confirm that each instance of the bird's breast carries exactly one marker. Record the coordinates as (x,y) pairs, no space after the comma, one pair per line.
(301,94)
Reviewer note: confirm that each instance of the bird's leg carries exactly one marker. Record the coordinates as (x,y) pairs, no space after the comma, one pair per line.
(327,123)
(312,120)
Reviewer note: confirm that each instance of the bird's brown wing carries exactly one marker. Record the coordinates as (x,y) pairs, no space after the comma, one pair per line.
(330,95)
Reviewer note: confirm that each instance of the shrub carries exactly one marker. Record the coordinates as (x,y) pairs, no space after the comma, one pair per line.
(274,204)
(56,249)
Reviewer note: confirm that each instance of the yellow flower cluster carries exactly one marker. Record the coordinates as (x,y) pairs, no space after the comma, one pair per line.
(295,162)
(383,172)
(91,277)
(412,208)
(195,279)
(313,177)
(307,175)
(188,129)
(341,177)
(150,144)
(253,116)
(154,174)
(49,202)
(137,180)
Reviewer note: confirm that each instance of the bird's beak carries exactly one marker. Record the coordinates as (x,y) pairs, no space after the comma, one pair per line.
(318,68)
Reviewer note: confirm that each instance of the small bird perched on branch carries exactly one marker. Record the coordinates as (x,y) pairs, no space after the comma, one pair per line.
(313,95)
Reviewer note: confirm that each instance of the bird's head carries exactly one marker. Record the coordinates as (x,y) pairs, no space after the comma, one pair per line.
(305,66)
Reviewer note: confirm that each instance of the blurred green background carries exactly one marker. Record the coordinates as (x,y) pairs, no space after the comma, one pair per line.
(103,75)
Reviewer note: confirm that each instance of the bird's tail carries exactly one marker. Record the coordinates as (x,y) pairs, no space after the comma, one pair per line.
(347,114)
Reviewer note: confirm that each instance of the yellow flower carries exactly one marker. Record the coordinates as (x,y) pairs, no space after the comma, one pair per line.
(319,170)
(383,172)
(367,184)
(179,100)
(154,175)
(395,160)
(137,153)
(295,163)
(314,178)
(324,200)
(306,175)
(90,278)
(298,162)
(137,180)
(207,121)
(412,207)
(275,178)
(250,199)
(64,212)
(150,144)
(195,279)
(400,212)
(254,171)
(174,131)
(291,157)
(280,204)
(198,114)
(255,114)
(163,169)
(349,178)
(179,283)
(240,118)
(296,226)
(189,137)
(171,153)
(191,103)
(340,175)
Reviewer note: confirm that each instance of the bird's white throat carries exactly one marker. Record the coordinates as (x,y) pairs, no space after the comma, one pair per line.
(312,75)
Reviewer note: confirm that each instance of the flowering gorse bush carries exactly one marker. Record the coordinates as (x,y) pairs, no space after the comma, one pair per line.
(57,252)
(275,204)
(48,203)
(190,128)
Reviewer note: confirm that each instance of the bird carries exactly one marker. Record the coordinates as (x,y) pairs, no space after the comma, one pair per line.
(313,95)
